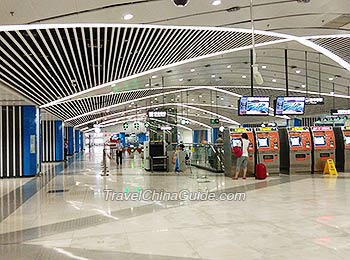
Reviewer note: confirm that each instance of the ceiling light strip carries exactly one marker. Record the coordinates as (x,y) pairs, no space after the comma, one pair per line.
(43,68)
(126,53)
(149,40)
(91,30)
(85,83)
(80,86)
(25,70)
(110,48)
(99,56)
(116,49)
(137,51)
(131,54)
(62,47)
(86,57)
(55,60)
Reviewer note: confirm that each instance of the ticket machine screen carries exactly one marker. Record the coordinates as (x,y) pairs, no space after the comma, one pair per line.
(235,142)
(295,141)
(320,140)
(263,142)
(347,139)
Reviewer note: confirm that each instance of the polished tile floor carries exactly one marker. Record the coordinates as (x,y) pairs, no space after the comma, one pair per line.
(64,215)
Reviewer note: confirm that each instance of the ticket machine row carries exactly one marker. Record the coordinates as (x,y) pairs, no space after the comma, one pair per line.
(296,149)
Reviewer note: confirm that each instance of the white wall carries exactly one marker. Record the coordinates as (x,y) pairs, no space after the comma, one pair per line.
(186,135)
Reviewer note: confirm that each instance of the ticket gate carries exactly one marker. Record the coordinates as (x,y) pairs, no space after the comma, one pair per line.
(268,148)
(296,150)
(342,138)
(323,147)
(230,159)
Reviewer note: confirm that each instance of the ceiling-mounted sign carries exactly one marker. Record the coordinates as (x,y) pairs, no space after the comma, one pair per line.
(340,112)
(157,114)
(125,125)
(314,101)
(147,124)
(136,125)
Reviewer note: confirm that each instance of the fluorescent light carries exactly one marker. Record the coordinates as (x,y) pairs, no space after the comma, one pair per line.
(128,16)
(331,79)
(298,71)
(303,86)
(154,76)
(213,76)
(181,79)
(263,66)
(274,80)
(216,2)
(229,66)
(193,70)
(244,76)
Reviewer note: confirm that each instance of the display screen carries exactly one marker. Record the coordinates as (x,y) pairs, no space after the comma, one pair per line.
(263,142)
(235,142)
(290,106)
(320,140)
(347,139)
(295,141)
(254,106)
(157,114)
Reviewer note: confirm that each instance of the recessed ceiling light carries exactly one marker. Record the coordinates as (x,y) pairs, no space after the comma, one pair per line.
(200,96)
(192,99)
(151,102)
(263,66)
(244,76)
(221,98)
(128,16)
(212,101)
(193,70)
(274,80)
(155,98)
(331,79)
(129,105)
(181,79)
(154,76)
(172,99)
(303,86)
(298,71)
(229,66)
(213,76)
(332,93)
(216,2)
(178,95)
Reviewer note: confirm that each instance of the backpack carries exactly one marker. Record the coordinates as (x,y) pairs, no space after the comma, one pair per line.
(237,151)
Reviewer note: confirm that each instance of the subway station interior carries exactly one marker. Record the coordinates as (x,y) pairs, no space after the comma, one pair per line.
(123,124)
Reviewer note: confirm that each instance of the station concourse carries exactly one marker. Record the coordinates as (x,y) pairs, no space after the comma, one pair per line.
(122,124)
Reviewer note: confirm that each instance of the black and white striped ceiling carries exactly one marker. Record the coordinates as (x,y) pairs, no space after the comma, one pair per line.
(54,65)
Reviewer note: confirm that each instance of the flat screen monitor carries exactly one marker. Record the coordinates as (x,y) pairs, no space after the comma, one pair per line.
(320,140)
(253,106)
(235,142)
(290,106)
(347,139)
(263,142)
(295,141)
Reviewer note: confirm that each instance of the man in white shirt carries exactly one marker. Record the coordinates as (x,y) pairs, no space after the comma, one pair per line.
(119,148)
(242,162)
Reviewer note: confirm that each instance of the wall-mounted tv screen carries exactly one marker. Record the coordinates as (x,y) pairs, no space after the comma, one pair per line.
(235,142)
(347,139)
(253,106)
(295,141)
(263,142)
(290,106)
(320,140)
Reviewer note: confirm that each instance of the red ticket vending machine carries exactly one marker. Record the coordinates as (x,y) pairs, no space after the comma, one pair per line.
(236,136)
(323,146)
(296,150)
(268,148)
(342,137)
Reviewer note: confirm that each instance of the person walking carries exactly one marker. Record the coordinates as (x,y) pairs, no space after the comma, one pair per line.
(119,151)
(242,162)
(65,149)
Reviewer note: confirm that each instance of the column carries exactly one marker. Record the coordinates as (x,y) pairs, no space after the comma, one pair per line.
(70,139)
(52,140)
(77,141)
